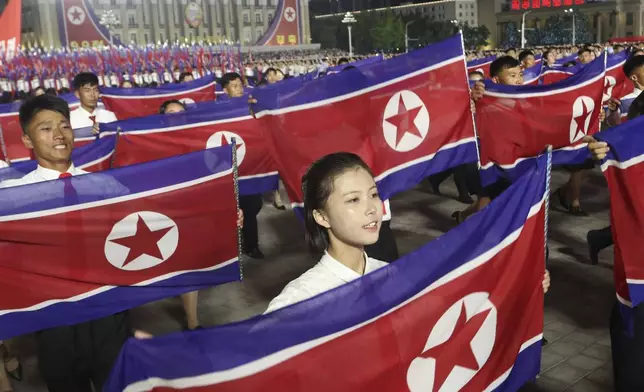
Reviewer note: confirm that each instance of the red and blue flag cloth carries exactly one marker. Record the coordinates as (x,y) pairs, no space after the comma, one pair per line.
(12,132)
(128,103)
(532,75)
(462,313)
(91,157)
(408,118)
(359,63)
(624,172)
(83,247)
(206,125)
(481,65)
(515,123)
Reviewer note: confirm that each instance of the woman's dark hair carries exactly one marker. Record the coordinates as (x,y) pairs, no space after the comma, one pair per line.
(51,91)
(317,186)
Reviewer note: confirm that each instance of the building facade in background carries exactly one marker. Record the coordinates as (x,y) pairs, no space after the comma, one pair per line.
(153,21)
(608,19)
(460,11)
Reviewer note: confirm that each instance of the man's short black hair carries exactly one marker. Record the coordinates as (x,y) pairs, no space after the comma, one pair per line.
(165,105)
(39,88)
(348,67)
(524,54)
(269,70)
(83,79)
(476,73)
(51,91)
(183,76)
(229,77)
(343,60)
(584,50)
(632,64)
(508,50)
(34,105)
(503,63)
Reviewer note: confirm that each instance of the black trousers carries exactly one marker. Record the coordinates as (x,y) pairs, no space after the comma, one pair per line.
(251,205)
(71,358)
(602,238)
(460,179)
(628,353)
(385,249)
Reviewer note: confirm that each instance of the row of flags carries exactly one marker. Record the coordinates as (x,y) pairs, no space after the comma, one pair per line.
(161,222)
(56,68)
(463,312)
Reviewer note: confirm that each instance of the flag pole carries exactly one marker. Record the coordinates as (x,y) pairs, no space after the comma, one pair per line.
(547,202)
(3,147)
(239,229)
(116,143)
(467,81)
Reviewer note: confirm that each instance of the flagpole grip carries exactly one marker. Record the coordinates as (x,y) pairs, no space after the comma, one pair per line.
(236,186)
(547,202)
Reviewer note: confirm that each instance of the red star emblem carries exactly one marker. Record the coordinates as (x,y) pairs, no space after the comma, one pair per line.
(143,242)
(404,121)
(456,350)
(76,15)
(224,141)
(289,14)
(581,120)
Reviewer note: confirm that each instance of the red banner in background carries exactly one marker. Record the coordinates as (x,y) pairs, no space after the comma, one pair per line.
(285,28)
(79,25)
(10,28)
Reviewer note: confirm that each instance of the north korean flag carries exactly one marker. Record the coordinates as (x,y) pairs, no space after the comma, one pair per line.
(481,65)
(532,75)
(88,246)
(11,132)
(91,157)
(469,320)
(208,124)
(139,102)
(616,84)
(624,172)
(516,123)
(407,117)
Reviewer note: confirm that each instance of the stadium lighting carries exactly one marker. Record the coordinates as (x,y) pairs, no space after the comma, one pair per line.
(572,12)
(348,20)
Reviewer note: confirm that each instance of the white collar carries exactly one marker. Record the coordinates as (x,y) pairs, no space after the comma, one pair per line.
(84,111)
(49,174)
(340,270)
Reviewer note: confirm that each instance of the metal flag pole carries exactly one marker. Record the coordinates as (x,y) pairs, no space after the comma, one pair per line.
(239,229)
(547,202)
(3,147)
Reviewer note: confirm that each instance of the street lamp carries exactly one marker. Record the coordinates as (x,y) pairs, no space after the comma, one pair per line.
(407,36)
(109,19)
(523,29)
(571,11)
(348,20)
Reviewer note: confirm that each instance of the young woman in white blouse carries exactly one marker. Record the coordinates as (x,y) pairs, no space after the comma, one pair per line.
(343,214)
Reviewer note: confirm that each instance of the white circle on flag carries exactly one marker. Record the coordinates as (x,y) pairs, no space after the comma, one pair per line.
(75,15)
(141,240)
(221,138)
(582,111)
(422,370)
(405,121)
(187,101)
(609,84)
(289,14)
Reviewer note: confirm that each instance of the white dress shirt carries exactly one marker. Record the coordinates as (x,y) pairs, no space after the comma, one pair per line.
(3,164)
(80,117)
(39,175)
(327,274)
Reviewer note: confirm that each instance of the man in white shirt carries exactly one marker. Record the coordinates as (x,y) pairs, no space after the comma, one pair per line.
(3,164)
(88,114)
(75,357)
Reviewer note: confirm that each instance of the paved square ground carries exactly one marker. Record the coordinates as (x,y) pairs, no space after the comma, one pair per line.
(578,358)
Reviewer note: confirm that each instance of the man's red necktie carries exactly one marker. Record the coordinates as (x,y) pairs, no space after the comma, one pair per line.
(93,118)
(64,175)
